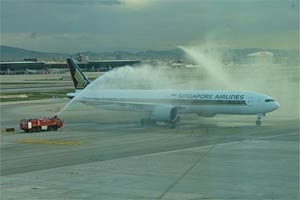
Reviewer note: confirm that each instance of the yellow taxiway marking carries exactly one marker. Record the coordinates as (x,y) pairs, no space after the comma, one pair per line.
(28,141)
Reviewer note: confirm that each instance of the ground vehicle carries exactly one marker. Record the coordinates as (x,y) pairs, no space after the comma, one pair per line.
(37,125)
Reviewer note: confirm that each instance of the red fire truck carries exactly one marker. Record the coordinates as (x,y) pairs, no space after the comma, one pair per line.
(44,124)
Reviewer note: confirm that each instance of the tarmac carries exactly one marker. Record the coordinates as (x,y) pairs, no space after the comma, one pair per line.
(107,155)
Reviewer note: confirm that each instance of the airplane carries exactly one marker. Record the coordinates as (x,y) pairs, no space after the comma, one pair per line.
(167,105)
(31,71)
(56,70)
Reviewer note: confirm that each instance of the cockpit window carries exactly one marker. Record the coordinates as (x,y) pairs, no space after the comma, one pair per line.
(269,100)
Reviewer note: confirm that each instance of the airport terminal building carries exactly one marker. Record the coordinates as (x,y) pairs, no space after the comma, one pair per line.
(36,67)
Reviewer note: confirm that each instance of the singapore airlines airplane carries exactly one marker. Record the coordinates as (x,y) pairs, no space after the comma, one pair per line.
(167,105)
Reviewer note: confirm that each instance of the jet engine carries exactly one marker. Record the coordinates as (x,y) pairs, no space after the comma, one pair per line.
(165,114)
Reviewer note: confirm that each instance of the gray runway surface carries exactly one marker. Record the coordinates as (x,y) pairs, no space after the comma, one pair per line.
(91,157)
(37,86)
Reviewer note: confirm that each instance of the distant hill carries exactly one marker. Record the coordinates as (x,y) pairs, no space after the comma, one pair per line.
(277,52)
(144,55)
(18,54)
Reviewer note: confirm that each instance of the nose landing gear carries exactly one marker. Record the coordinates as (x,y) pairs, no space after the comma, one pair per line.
(258,122)
(258,118)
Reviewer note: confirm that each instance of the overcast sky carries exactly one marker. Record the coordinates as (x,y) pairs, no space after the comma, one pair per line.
(70,26)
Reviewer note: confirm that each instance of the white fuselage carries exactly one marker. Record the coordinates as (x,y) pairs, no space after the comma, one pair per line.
(202,102)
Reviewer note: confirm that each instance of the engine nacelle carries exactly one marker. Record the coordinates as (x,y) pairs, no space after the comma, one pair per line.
(165,114)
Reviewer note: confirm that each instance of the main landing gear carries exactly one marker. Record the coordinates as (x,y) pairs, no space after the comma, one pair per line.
(258,118)
(171,124)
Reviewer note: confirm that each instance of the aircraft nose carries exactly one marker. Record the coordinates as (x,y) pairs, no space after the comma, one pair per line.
(277,105)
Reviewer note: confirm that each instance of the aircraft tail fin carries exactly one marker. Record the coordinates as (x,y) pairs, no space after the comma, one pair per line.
(79,79)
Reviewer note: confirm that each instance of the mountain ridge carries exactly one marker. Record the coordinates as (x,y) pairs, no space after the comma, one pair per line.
(8,53)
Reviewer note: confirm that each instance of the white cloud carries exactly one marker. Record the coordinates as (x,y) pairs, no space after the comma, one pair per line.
(66,2)
(138,4)
(104,25)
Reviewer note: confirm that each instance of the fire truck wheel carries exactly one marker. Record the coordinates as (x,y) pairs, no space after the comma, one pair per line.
(26,130)
(38,129)
(55,128)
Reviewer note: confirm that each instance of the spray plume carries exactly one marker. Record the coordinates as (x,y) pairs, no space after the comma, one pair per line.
(207,59)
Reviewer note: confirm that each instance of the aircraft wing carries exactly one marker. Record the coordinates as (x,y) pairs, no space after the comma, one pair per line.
(128,104)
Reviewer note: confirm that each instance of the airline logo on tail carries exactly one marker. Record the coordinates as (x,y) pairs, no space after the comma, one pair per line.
(79,79)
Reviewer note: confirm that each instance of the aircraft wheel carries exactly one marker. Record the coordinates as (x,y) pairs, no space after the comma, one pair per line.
(142,122)
(258,122)
(172,125)
(178,119)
